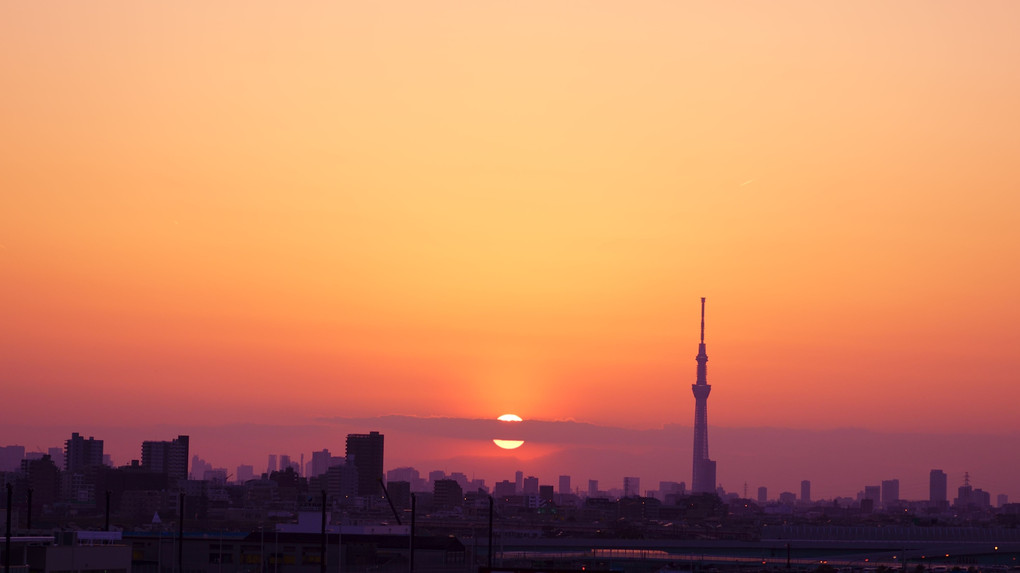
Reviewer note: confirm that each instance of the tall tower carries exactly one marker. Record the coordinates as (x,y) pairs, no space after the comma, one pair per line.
(704,468)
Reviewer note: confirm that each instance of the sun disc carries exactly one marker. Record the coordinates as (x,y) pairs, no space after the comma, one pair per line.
(510,418)
(508,444)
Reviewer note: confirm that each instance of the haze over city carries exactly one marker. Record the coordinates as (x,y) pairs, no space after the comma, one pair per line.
(270,226)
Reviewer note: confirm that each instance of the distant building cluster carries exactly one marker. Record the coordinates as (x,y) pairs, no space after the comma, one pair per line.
(78,480)
(366,507)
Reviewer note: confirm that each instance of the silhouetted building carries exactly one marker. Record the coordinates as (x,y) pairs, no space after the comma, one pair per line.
(406,473)
(244,473)
(964,492)
(83,459)
(787,498)
(170,458)
(546,492)
(505,488)
(980,498)
(938,489)
(271,465)
(671,491)
(81,454)
(365,451)
(890,492)
(805,491)
(704,468)
(10,457)
(530,485)
(763,495)
(320,462)
(447,493)
(400,493)
(519,480)
(873,493)
(200,466)
(342,481)
(564,485)
(409,475)
(593,488)
(43,477)
(631,486)
(57,455)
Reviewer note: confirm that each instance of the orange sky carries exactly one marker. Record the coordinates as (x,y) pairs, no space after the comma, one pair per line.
(251,210)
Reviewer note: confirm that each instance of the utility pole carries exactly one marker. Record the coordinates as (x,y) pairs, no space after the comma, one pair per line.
(7,539)
(322,547)
(180,536)
(490,532)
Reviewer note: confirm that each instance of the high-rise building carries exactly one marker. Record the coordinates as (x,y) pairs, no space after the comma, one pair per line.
(170,458)
(981,498)
(504,489)
(408,474)
(199,467)
(593,488)
(342,481)
(43,478)
(938,489)
(320,463)
(244,473)
(447,493)
(530,486)
(83,459)
(890,492)
(519,480)
(81,454)
(366,453)
(400,493)
(964,493)
(405,473)
(271,466)
(704,468)
(10,458)
(873,493)
(631,487)
(763,495)
(668,487)
(57,455)
(564,485)
(805,491)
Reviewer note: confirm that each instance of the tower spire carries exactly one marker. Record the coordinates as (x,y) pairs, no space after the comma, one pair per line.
(704,468)
(702,320)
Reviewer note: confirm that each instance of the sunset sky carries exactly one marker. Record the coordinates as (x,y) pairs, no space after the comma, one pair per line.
(241,212)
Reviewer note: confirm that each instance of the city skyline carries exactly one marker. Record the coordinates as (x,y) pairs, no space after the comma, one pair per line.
(223,219)
(805,457)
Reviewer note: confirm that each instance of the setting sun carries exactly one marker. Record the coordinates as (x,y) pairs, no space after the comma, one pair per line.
(509,444)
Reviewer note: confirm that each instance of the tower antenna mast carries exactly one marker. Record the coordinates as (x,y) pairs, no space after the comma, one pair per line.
(702,320)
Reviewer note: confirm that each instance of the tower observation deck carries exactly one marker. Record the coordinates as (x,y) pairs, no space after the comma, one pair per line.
(704,468)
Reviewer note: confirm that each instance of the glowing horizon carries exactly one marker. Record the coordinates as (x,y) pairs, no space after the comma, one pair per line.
(236,213)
